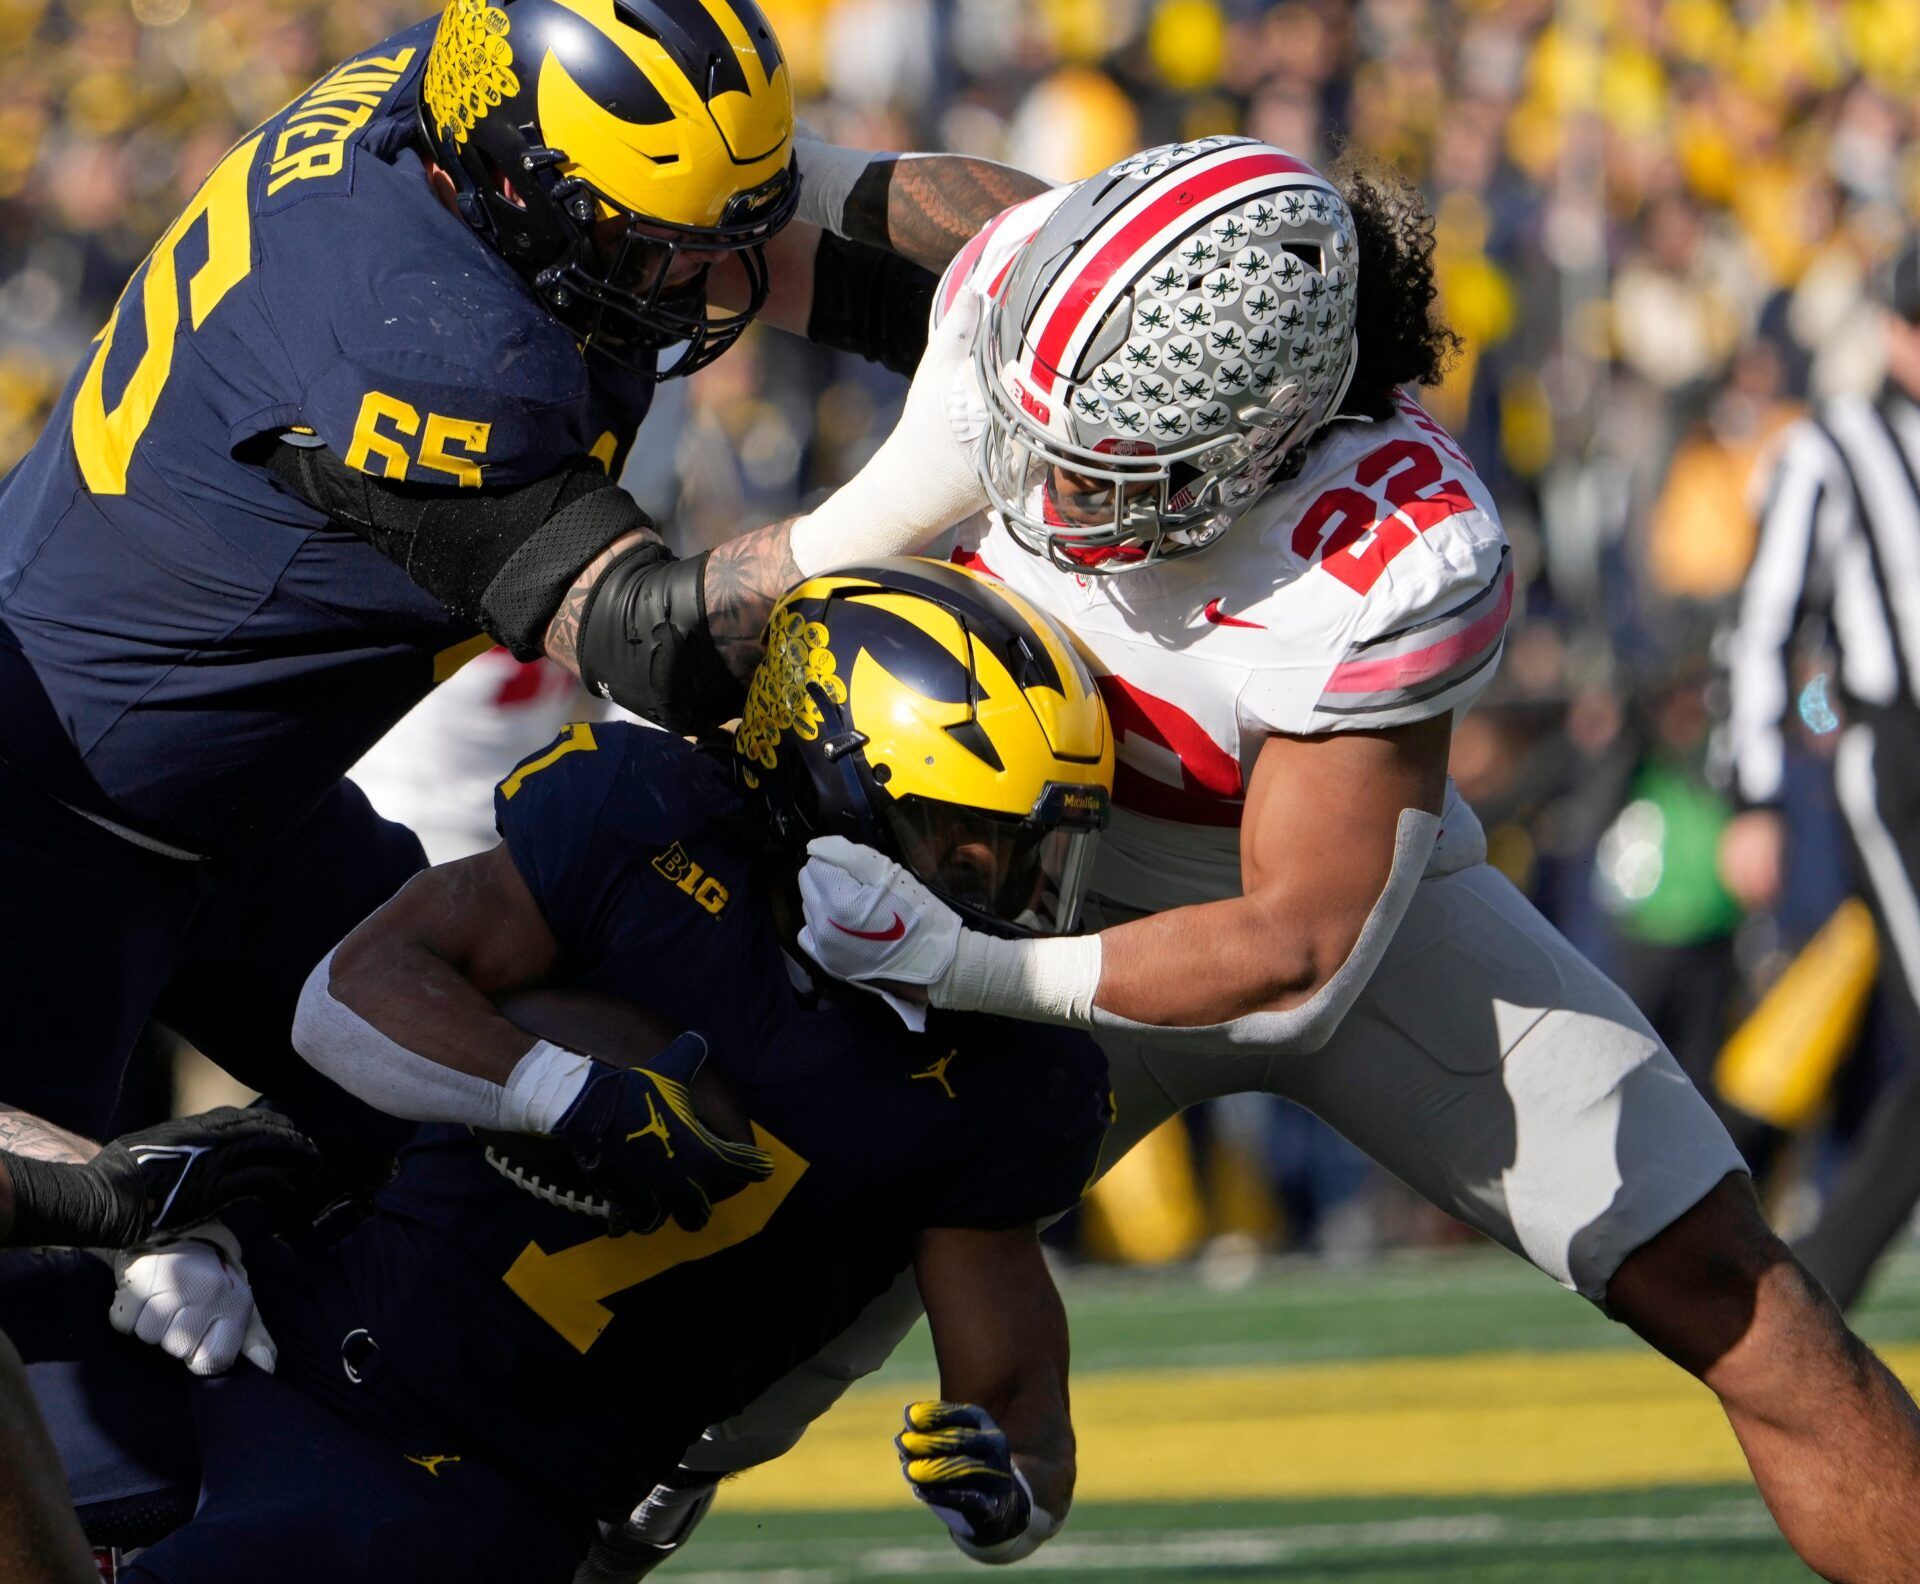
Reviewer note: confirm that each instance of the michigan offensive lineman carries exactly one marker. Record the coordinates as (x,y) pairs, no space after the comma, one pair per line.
(356,417)
(1199,457)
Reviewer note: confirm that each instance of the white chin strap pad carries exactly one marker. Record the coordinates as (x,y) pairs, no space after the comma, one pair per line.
(1305,1028)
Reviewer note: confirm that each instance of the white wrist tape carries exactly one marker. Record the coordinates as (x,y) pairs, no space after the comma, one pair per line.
(373,1067)
(1052,980)
(1042,1526)
(1305,1028)
(543,1083)
(828,174)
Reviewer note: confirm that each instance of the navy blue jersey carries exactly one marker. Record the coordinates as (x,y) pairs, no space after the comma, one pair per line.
(590,1361)
(182,642)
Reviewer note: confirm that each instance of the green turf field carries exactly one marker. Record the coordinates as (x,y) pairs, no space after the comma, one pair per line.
(1440,1417)
(1648,1537)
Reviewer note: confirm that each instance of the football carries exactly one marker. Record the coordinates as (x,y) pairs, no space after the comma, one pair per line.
(619,1032)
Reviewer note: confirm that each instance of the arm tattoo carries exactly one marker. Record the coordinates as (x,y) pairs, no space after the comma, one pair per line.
(27,1135)
(563,632)
(745,579)
(928,209)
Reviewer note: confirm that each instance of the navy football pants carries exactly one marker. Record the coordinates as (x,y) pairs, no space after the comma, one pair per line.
(280,1486)
(98,935)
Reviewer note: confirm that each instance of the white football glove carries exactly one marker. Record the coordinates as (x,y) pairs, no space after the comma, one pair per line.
(190,1297)
(872,924)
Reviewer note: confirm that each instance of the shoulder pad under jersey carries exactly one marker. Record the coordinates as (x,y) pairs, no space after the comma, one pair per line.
(633,783)
(418,354)
(1409,574)
(601,799)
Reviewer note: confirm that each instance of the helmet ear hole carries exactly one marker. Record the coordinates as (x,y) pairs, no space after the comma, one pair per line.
(498,181)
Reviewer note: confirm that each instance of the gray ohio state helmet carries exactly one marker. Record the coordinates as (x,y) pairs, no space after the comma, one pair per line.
(1177,328)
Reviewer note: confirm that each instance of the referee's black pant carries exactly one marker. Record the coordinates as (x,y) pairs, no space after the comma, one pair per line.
(1877,777)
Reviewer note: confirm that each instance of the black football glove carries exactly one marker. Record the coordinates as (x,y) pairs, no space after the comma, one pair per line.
(956,1459)
(634,1133)
(159,1179)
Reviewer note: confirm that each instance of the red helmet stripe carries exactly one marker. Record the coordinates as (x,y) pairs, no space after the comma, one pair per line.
(1171,207)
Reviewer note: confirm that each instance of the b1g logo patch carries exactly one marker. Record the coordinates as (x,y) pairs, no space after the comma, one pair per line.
(1033,404)
(688,876)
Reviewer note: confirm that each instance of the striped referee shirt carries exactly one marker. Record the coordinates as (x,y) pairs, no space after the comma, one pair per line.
(1839,538)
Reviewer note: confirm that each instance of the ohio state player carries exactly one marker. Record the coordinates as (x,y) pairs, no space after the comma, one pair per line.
(435,771)
(1200,457)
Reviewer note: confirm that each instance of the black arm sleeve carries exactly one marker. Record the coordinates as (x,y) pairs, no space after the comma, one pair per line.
(872,302)
(501,558)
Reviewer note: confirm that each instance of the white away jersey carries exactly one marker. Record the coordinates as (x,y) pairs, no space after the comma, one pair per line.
(435,770)
(1373,590)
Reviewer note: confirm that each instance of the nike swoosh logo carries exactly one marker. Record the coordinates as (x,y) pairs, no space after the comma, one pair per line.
(1220,618)
(892,932)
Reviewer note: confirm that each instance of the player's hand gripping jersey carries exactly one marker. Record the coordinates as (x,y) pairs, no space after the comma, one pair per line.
(1371,590)
(602,1356)
(163,601)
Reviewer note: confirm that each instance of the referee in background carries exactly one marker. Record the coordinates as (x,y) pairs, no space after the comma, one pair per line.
(1840,539)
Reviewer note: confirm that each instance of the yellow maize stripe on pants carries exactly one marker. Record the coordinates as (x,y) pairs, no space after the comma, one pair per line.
(1486,1423)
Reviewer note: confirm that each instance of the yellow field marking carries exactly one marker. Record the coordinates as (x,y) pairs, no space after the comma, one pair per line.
(1483,1424)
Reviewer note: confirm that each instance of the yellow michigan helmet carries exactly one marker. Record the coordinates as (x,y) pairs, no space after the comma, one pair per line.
(939,717)
(612,151)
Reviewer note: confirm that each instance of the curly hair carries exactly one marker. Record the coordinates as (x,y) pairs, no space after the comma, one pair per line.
(1402,340)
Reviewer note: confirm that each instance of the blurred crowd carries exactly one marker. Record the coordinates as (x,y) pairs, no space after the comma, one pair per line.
(1656,221)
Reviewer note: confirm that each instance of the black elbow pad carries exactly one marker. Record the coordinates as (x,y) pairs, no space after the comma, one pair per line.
(644,642)
(870,302)
(500,558)
(519,601)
